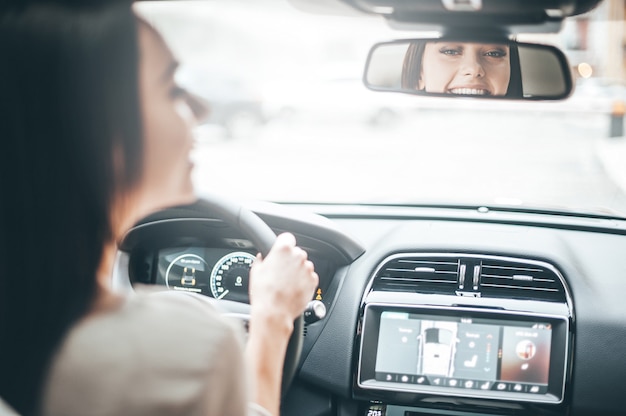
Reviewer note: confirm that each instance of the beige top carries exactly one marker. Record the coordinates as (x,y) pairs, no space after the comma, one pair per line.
(155,355)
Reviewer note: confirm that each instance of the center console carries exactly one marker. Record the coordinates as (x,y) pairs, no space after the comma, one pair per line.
(493,332)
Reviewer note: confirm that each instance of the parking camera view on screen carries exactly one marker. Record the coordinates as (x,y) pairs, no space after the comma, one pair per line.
(466,353)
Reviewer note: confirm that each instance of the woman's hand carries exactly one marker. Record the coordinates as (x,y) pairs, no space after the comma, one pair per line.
(281,285)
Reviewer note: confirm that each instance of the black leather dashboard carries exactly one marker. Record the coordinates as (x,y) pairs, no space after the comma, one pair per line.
(353,240)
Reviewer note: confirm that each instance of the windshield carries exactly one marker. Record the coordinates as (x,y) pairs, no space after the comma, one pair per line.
(292,122)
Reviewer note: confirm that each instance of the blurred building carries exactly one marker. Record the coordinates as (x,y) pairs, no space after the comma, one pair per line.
(595,42)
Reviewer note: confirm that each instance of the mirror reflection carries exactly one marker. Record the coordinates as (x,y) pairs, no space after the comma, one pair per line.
(450,67)
(462,68)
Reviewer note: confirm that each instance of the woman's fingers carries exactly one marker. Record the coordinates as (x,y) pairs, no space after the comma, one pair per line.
(284,241)
(300,254)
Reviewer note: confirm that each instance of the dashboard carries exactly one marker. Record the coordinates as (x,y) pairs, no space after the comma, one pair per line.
(430,310)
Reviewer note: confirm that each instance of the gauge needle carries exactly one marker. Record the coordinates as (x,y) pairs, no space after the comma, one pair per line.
(224,293)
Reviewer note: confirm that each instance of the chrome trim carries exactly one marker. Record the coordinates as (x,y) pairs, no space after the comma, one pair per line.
(462,270)
(475,393)
(476,277)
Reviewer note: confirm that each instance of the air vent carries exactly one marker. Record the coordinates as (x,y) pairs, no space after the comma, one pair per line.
(525,280)
(475,275)
(419,274)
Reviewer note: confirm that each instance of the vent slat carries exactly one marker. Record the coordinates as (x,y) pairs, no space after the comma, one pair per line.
(519,287)
(534,279)
(421,271)
(428,261)
(518,280)
(511,268)
(407,279)
(424,275)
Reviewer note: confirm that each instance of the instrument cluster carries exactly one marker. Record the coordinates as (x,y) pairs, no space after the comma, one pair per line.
(217,272)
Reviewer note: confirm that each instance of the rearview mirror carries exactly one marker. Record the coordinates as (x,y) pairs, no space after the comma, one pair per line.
(449,67)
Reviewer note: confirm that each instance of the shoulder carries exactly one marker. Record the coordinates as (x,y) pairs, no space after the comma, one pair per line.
(154,351)
(148,324)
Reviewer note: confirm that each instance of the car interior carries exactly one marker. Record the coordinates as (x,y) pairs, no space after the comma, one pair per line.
(424,309)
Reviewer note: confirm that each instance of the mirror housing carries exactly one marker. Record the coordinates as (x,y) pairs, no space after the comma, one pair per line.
(491,68)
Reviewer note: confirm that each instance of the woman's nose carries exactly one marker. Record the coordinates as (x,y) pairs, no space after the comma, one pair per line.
(198,106)
(472,66)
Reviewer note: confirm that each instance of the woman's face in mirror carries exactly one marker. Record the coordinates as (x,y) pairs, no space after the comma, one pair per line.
(465,68)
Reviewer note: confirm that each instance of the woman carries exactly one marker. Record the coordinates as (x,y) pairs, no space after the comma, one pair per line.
(95,135)
(462,68)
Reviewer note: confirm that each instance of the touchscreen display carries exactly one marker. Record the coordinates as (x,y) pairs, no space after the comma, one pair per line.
(464,353)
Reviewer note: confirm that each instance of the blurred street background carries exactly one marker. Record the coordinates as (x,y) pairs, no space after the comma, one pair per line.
(555,160)
(292,121)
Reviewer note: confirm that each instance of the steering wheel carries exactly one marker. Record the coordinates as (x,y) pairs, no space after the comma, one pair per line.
(262,238)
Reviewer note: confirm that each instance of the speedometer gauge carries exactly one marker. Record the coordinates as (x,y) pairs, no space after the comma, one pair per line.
(229,278)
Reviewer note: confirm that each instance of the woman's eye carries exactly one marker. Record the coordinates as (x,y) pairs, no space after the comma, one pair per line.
(450,52)
(496,54)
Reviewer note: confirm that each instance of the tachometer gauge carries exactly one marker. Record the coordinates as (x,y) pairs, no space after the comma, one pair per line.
(187,272)
(229,278)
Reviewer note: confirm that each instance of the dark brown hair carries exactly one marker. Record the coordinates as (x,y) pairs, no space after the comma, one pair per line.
(69,99)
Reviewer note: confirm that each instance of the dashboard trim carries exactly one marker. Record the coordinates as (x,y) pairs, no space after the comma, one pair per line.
(526,217)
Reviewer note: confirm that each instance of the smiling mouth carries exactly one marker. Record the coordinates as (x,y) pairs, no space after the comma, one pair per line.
(469,91)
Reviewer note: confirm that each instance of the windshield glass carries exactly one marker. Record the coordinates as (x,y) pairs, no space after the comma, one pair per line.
(292,122)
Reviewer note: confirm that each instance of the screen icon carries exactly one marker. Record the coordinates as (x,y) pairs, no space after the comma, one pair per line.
(469,384)
(471,363)
(453,382)
(421,379)
(517,387)
(526,349)
(437,381)
(404,379)
(501,386)
(534,389)
(485,385)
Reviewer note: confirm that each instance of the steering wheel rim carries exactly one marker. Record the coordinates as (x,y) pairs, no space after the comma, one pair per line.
(262,238)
